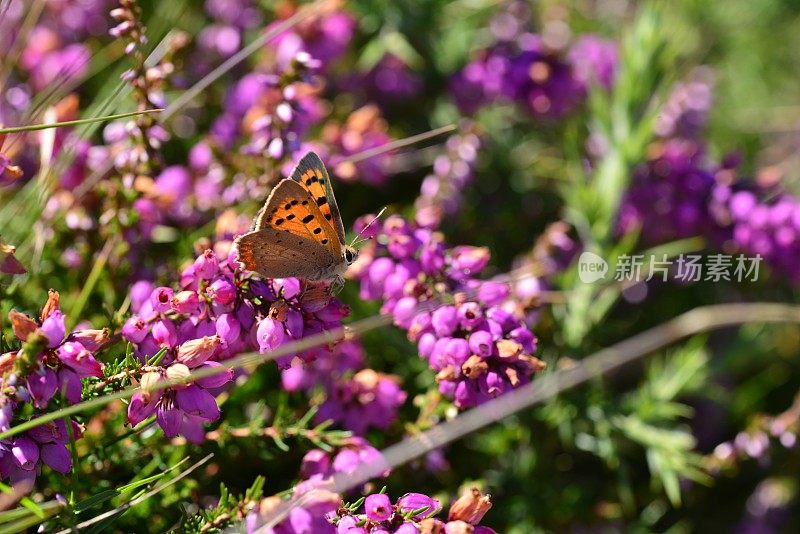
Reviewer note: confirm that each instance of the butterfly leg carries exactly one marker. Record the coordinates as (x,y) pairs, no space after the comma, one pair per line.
(336,285)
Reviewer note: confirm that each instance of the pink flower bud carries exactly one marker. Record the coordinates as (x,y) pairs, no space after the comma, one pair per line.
(196,351)
(186,302)
(75,355)
(91,338)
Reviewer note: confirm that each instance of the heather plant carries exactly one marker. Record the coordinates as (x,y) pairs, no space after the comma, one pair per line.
(573,306)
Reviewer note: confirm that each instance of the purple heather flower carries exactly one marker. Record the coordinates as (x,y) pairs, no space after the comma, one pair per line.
(70,384)
(53,328)
(186,302)
(315,462)
(221,292)
(42,385)
(140,292)
(164,333)
(197,401)
(270,334)
(57,457)
(444,320)
(25,452)
(135,329)
(75,356)
(169,418)
(206,265)
(378,507)
(161,299)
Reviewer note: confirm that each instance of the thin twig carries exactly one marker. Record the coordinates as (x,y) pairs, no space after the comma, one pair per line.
(400,143)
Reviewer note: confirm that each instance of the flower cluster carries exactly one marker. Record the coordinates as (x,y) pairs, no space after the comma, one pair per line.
(324,37)
(356,398)
(48,362)
(669,194)
(319,510)
(758,439)
(477,348)
(532,70)
(769,228)
(217,312)
(414,513)
(318,464)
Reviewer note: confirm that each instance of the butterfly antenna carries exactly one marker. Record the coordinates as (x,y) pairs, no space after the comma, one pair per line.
(356,239)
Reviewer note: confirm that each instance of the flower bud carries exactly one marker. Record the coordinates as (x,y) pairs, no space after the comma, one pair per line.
(91,338)
(470,507)
(414,501)
(186,302)
(178,373)
(196,351)
(134,329)
(75,355)
(206,265)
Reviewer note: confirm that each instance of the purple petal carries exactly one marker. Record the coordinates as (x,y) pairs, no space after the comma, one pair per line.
(57,457)
(197,401)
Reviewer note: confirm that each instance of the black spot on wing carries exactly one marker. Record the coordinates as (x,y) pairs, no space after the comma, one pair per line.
(308,218)
(321,201)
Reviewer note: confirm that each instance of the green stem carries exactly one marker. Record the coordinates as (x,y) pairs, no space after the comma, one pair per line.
(78,122)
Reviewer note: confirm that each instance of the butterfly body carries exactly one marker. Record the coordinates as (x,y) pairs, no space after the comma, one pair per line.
(299,231)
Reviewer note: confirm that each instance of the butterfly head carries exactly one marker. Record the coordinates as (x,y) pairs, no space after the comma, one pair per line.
(349,254)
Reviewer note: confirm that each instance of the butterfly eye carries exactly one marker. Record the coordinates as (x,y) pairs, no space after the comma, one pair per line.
(349,256)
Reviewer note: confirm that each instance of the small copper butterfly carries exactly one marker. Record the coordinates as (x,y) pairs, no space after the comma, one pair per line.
(299,231)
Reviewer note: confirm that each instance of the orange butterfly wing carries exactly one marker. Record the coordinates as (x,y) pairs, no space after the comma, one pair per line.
(310,172)
(291,209)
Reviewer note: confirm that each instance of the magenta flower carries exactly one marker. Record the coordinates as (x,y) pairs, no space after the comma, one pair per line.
(378,507)
(80,360)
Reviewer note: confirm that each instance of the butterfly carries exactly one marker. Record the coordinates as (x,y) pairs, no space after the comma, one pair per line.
(299,231)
